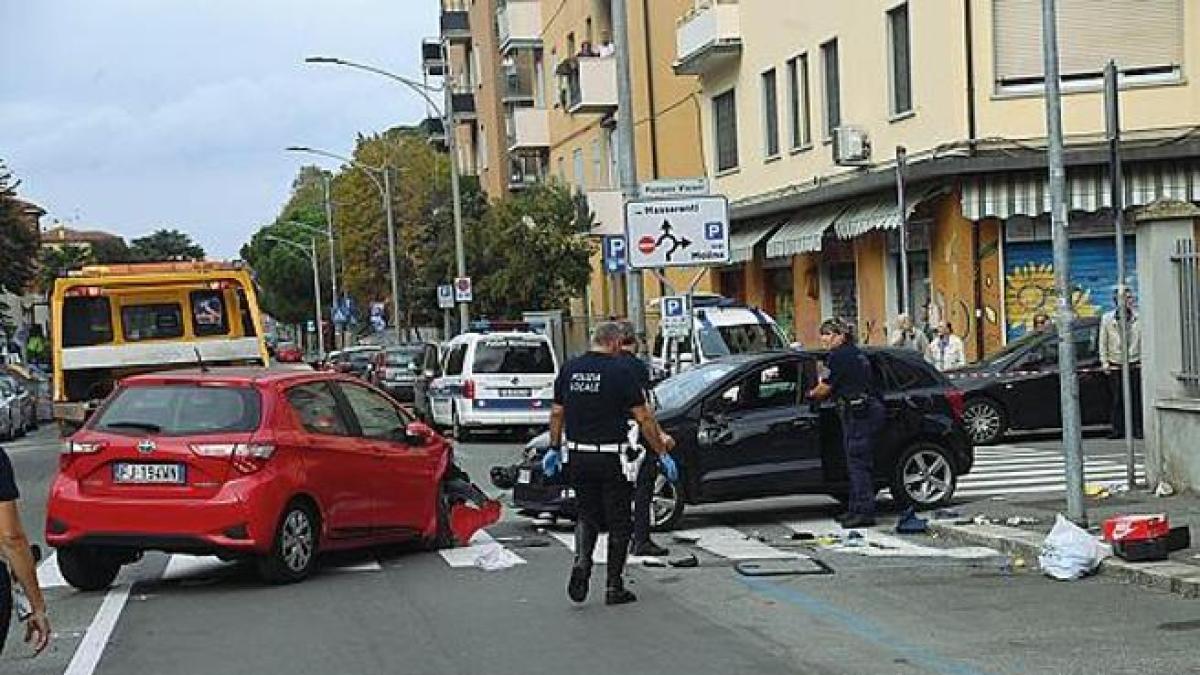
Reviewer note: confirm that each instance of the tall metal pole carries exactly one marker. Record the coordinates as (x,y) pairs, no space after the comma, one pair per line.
(460,253)
(1112,108)
(333,284)
(391,235)
(627,164)
(317,298)
(901,163)
(1068,383)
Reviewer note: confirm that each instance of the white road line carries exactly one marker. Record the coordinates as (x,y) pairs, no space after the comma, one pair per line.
(728,542)
(877,544)
(91,648)
(189,566)
(480,545)
(1035,476)
(600,554)
(49,575)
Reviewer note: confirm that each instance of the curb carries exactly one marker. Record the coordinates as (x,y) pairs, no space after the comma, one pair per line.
(1173,577)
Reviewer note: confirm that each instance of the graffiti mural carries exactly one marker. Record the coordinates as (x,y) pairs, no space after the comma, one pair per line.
(1029,280)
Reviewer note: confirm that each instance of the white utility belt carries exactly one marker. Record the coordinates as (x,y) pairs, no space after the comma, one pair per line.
(608,448)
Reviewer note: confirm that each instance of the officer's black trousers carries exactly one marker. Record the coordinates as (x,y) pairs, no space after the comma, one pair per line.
(603,497)
(6,604)
(859,431)
(643,495)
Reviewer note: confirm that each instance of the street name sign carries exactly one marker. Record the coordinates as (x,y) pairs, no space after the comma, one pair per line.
(677,232)
(676,322)
(675,188)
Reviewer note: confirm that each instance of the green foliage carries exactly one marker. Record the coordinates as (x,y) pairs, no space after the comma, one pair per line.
(19,239)
(110,251)
(165,245)
(56,261)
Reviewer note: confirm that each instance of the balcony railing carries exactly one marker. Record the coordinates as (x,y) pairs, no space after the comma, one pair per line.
(528,129)
(519,24)
(456,20)
(608,212)
(526,170)
(432,58)
(463,101)
(708,36)
(519,77)
(590,84)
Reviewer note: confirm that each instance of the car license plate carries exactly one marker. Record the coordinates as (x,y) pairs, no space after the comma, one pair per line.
(525,477)
(516,393)
(149,474)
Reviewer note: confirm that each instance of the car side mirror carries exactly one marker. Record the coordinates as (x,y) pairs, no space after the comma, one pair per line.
(418,433)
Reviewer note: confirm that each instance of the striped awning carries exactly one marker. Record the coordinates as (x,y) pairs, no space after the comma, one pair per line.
(742,240)
(803,231)
(1027,194)
(879,211)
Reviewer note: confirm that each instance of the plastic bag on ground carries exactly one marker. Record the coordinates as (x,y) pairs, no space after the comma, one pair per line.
(1070,553)
(496,558)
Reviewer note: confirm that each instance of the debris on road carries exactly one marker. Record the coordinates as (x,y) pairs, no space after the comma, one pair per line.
(946,514)
(1017,521)
(1164,489)
(1070,553)
(777,568)
(803,536)
(496,558)
(686,538)
(911,523)
(689,560)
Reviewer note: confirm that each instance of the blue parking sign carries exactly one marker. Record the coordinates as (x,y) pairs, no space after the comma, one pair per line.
(614,254)
(673,307)
(714,231)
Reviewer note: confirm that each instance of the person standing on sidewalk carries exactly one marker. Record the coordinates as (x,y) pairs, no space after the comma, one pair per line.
(643,491)
(946,351)
(861,413)
(1112,356)
(906,336)
(594,397)
(14,548)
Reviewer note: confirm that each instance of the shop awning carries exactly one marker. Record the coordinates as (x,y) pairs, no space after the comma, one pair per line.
(742,240)
(878,212)
(803,231)
(1027,194)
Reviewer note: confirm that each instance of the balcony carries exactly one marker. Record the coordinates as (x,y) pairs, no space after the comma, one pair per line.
(526,170)
(608,212)
(528,129)
(591,84)
(455,20)
(462,100)
(518,77)
(519,24)
(432,59)
(708,37)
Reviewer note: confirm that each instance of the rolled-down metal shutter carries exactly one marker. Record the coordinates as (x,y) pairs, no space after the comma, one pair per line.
(1138,34)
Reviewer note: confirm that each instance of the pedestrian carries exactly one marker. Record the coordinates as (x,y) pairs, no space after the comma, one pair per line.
(906,336)
(946,351)
(14,548)
(594,396)
(1112,356)
(643,491)
(861,412)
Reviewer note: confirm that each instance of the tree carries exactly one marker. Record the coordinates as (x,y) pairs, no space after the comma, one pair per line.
(56,261)
(19,239)
(110,251)
(165,245)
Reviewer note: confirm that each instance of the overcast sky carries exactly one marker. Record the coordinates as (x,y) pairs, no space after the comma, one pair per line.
(129,115)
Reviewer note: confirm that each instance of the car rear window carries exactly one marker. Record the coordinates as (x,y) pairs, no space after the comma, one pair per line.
(87,322)
(152,322)
(513,357)
(905,375)
(208,313)
(400,359)
(181,410)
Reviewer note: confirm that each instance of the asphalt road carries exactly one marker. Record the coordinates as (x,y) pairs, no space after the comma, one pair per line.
(413,613)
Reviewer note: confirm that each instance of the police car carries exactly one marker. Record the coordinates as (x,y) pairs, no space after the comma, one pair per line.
(720,327)
(494,379)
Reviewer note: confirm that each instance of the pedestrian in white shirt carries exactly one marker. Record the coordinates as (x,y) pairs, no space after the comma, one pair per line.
(945,352)
(907,336)
(1112,356)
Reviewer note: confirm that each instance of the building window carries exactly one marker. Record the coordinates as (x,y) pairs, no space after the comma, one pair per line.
(725,127)
(799,111)
(580,178)
(833,87)
(770,99)
(901,60)
(597,164)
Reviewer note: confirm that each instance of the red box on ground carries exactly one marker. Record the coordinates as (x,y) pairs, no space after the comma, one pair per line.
(1136,527)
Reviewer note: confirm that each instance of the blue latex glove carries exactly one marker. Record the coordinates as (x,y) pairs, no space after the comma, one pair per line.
(552,462)
(669,467)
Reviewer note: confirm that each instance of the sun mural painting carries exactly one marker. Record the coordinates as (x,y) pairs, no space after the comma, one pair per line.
(1030,291)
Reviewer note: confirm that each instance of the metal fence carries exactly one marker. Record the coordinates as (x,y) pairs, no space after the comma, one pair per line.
(1187,262)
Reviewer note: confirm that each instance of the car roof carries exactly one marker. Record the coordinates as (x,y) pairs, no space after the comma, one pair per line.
(732,316)
(231,376)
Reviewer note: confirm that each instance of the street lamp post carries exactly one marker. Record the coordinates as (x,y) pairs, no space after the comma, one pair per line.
(445,112)
(312,256)
(333,296)
(332,259)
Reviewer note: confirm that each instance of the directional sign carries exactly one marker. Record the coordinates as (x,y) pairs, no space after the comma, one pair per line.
(462,289)
(675,188)
(614,254)
(678,232)
(445,297)
(676,321)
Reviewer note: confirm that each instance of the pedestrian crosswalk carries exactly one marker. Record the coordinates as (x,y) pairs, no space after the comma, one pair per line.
(1012,469)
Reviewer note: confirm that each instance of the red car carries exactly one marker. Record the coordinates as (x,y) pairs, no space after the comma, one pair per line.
(269,465)
(288,352)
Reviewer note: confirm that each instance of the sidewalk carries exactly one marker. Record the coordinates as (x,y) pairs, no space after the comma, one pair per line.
(984,523)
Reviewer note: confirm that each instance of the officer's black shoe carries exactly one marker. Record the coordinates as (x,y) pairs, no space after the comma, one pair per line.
(577,587)
(649,548)
(842,516)
(855,520)
(619,596)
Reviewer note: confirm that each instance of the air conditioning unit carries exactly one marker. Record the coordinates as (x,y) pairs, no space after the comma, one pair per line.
(851,146)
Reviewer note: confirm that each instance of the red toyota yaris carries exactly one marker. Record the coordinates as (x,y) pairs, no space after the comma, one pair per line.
(272,465)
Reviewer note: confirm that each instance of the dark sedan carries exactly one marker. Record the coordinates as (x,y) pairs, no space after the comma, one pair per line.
(395,370)
(745,431)
(1017,388)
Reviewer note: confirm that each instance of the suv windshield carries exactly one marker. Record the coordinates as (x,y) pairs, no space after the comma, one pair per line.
(514,357)
(717,341)
(683,388)
(181,410)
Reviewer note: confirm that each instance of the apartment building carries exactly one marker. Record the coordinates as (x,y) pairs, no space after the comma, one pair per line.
(804,104)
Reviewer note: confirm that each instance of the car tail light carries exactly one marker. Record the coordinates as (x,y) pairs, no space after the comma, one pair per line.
(247,457)
(469,389)
(957,403)
(82,448)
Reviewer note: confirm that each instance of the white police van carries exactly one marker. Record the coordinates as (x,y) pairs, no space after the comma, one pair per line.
(720,327)
(493,380)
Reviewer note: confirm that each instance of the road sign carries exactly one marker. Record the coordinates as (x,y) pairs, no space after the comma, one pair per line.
(311,326)
(445,297)
(378,318)
(462,289)
(676,319)
(678,232)
(614,254)
(675,188)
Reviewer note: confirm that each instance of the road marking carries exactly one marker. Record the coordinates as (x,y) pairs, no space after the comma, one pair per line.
(482,544)
(886,545)
(91,648)
(365,566)
(600,554)
(731,543)
(189,566)
(48,573)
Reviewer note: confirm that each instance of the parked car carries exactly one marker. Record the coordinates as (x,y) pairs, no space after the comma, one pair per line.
(274,466)
(744,430)
(430,369)
(10,413)
(1017,388)
(720,327)
(395,370)
(288,352)
(354,360)
(26,404)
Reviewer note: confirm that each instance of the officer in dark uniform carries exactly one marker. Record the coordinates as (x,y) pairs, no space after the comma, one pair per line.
(643,491)
(861,412)
(594,397)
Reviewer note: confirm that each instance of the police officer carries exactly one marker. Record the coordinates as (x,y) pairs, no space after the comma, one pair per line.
(594,396)
(861,412)
(14,548)
(643,491)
